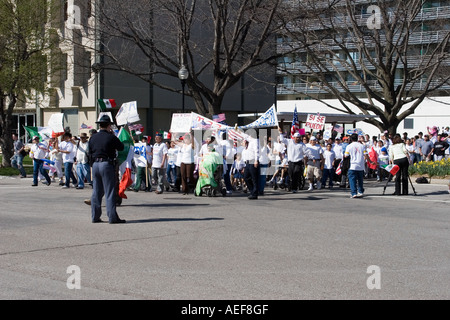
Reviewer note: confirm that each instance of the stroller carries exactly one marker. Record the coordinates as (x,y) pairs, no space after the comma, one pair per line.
(210,174)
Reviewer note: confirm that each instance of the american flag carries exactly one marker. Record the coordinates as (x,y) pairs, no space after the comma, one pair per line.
(235,135)
(339,168)
(295,123)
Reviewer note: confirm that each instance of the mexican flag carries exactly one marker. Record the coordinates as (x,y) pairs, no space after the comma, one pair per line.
(106,104)
(44,133)
(125,158)
(391,168)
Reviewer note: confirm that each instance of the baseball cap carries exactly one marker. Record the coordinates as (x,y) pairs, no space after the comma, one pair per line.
(296,135)
(313,139)
(35,137)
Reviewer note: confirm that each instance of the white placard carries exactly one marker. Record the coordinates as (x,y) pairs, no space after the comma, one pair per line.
(56,122)
(315,121)
(127,114)
(181,122)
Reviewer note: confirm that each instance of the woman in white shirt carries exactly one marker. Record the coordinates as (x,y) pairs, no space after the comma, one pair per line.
(187,164)
(399,155)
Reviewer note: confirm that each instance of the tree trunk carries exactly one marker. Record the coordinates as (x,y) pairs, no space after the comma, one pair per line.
(6,142)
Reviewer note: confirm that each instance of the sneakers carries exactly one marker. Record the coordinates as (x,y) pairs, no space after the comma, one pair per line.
(358,195)
(311,188)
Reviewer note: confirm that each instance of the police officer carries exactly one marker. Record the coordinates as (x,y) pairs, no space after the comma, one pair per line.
(102,153)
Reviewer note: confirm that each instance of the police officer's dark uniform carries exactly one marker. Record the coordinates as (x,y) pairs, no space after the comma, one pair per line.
(102,152)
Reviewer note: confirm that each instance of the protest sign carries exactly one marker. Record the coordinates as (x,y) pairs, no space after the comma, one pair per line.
(181,122)
(315,121)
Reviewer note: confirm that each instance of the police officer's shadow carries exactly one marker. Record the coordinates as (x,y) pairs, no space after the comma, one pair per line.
(171,220)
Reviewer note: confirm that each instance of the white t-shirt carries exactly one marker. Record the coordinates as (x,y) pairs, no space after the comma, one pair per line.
(172,154)
(68,146)
(38,150)
(186,154)
(337,148)
(82,150)
(314,152)
(356,151)
(159,151)
(329,157)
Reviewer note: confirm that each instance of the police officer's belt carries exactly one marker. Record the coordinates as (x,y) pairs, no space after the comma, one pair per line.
(103,160)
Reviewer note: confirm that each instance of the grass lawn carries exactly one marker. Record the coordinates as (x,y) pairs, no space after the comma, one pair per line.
(27,163)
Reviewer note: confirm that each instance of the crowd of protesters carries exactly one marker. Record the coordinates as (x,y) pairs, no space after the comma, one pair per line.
(249,165)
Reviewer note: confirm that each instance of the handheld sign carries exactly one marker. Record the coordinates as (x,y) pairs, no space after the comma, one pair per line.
(315,121)
(181,122)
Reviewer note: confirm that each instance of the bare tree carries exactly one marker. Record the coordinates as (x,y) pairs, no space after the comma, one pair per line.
(384,57)
(218,41)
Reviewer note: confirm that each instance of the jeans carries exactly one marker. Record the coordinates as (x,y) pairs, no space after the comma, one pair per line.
(262,177)
(159,176)
(251,178)
(38,166)
(17,163)
(355,178)
(327,174)
(171,173)
(227,177)
(83,171)
(68,173)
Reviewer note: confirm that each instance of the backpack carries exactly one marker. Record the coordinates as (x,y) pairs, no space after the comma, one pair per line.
(421,180)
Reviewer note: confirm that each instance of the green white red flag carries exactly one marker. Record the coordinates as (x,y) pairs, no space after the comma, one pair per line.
(106,104)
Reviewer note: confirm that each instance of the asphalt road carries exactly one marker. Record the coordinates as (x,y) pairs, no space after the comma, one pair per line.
(283,246)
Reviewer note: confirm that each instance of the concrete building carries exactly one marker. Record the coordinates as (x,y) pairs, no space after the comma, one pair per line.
(297,85)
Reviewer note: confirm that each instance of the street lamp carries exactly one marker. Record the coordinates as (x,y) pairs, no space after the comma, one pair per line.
(183,74)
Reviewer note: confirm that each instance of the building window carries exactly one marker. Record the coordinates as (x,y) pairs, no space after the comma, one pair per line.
(408,124)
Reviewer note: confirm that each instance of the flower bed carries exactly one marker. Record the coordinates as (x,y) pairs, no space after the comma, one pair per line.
(436,169)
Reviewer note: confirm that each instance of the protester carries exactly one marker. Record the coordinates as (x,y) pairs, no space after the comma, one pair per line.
(439,148)
(426,148)
(237,171)
(187,165)
(315,160)
(19,154)
(358,155)
(264,163)
(141,151)
(328,167)
(398,155)
(383,161)
(297,158)
(38,153)
(56,158)
(82,168)
(172,155)
(250,155)
(68,149)
(159,164)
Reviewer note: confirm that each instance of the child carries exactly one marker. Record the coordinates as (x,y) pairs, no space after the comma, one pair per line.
(328,169)
(383,160)
(283,170)
(237,170)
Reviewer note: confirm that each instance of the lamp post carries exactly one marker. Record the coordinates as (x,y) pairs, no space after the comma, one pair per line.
(183,74)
